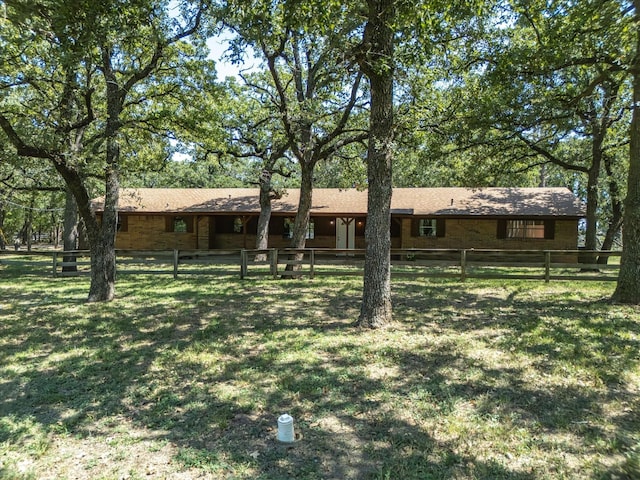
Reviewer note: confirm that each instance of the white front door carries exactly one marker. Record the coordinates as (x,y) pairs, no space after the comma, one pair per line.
(345,233)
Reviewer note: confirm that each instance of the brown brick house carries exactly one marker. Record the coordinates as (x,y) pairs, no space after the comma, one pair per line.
(496,218)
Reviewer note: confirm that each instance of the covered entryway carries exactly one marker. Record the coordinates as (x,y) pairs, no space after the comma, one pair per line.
(345,233)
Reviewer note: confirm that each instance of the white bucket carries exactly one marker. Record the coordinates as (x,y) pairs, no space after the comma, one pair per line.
(285,428)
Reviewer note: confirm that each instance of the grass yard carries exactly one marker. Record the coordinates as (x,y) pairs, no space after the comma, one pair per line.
(185,379)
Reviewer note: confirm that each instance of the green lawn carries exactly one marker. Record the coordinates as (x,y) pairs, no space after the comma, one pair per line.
(185,379)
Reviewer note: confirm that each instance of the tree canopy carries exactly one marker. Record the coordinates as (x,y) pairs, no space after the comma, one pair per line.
(514,93)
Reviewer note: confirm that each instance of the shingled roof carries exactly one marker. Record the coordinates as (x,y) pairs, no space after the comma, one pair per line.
(449,202)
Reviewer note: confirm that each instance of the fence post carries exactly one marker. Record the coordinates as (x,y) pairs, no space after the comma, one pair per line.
(547,266)
(312,259)
(463,265)
(243,263)
(176,259)
(55,264)
(274,263)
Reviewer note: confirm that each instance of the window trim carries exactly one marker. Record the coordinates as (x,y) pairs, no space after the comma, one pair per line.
(508,229)
(179,225)
(438,227)
(171,222)
(288,228)
(427,227)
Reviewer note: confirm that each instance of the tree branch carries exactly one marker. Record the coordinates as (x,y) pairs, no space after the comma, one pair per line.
(25,150)
(549,156)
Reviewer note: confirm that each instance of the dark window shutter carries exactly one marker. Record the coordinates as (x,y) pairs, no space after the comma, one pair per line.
(549,229)
(415,225)
(441,227)
(252,225)
(189,221)
(168,223)
(123,223)
(276,226)
(502,228)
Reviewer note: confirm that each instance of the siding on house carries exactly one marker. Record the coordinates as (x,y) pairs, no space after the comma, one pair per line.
(466,218)
(148,232)
(482,233)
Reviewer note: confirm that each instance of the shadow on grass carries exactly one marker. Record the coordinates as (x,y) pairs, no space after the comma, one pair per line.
(211,365)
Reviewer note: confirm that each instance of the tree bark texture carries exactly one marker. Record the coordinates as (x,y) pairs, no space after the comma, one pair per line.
(70,233)
(600,127)
(301,224)
(628,287)
(617,212)
(103,252)
(377,65)
(591,237)
(262,235)
(3,240)
(28,223)
(102,286)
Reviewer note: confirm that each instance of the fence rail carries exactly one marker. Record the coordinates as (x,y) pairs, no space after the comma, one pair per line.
(464,264)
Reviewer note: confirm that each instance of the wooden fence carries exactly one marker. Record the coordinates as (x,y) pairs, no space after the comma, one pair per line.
(544,265)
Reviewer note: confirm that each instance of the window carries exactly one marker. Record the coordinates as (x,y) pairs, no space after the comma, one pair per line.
(179,225)
(237,225)
(427,227)
(288,228)
(526,229)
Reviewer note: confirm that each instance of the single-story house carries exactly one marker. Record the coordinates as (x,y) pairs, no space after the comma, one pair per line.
(226,218)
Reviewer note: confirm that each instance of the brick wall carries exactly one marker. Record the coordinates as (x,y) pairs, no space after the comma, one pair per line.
(482,233)
(148,232)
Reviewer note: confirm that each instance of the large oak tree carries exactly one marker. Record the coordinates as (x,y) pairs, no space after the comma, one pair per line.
(314,85)
(377,62)
(92,70)
(628,287)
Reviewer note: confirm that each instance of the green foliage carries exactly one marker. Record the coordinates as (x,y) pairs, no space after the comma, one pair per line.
(312,85)
(61,42)
(190,174)
(531,93)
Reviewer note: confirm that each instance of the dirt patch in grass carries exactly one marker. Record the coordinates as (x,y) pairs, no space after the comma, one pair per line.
(185,379)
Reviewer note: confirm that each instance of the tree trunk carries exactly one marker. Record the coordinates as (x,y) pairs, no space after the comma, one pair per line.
(612,232)
(615,222)
(262,235)
(591,233)
(378,66)
(301,224)
(101,241)
(103,251)
(70,233)
(628,287)
(3,240)
(28,226)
